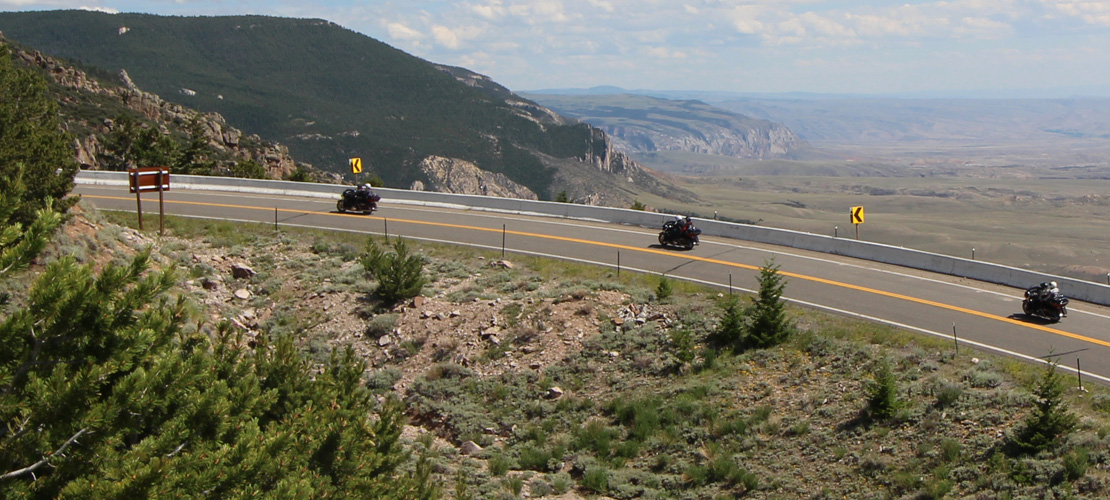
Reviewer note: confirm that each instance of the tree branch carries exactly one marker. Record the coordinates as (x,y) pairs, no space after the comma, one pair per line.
(177,450)
(46,459)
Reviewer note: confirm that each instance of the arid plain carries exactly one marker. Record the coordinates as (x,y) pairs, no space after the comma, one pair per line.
(1042,205)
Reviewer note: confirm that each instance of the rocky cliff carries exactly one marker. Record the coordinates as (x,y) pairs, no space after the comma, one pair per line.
(764,141)
(450,175)
(640,123)
(86,101)
(612,176)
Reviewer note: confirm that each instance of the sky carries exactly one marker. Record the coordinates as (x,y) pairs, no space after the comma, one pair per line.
(1028,48)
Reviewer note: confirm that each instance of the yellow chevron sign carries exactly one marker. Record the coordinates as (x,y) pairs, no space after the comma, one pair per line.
(356,165)
(857,215)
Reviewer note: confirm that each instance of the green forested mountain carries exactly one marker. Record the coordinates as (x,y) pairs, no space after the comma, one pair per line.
(326,92)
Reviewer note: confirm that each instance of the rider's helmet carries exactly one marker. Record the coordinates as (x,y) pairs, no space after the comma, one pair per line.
(1053,285)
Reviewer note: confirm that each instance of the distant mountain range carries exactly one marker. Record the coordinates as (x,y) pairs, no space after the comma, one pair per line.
(863,120)
(642,124)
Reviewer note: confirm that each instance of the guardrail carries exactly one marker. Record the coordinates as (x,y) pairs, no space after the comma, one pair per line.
(955,266)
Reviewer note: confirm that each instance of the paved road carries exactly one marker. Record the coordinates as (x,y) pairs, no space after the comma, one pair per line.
(982,314)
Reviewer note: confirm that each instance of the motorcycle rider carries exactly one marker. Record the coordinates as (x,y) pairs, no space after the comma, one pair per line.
(1048,290)
(364,194)
(681,225)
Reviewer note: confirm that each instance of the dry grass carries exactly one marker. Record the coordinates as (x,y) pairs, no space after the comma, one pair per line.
(1048,219)
(636,419)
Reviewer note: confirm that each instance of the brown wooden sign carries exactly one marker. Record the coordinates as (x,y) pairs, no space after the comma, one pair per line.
(149,179)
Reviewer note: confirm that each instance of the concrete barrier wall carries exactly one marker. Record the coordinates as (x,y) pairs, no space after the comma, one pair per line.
(983,271)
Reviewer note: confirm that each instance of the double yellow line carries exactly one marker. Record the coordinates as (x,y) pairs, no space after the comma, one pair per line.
(671,255)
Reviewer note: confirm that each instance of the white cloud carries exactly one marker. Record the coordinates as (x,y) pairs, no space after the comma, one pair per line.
(492,11)
(401,32)
(1091,12)
(40,4)
(445,37)
(603,5)
(983,27)
(540,11)
(745,19)
(665,53)
(105,10)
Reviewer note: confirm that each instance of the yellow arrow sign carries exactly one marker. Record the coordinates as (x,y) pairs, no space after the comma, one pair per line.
(857,215)
(356,165)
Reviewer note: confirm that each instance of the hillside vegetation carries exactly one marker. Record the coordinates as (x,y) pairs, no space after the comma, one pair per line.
(117,126)
(543,379)
(329,94)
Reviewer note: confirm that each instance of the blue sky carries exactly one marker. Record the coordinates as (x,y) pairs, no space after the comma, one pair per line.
(987,47)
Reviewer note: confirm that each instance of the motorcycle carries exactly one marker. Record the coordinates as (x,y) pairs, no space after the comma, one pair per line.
(678,234)
(355,200)
(1051,308)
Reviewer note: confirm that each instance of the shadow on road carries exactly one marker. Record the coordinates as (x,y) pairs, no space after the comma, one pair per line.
(664,247)
(1028,318)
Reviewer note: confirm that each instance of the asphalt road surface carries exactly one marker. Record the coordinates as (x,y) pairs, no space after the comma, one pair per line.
(982,315)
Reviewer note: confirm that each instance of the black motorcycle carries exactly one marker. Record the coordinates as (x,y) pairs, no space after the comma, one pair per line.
(680,234)
(1048,306)
(358,200)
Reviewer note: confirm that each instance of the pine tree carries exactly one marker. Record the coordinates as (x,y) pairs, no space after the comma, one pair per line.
(32,143)
(104,394)
(663,290)
(768,325)
(1050,419)
(400,275)
(729,334)
(882,393)
(195,155)
(19,244)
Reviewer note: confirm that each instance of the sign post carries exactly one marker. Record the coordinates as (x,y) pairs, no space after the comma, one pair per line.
(150,179)
(856,216)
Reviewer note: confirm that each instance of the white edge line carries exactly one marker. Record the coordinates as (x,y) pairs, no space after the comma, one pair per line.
(980,345)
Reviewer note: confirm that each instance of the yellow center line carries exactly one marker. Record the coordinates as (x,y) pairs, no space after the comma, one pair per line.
(667,254)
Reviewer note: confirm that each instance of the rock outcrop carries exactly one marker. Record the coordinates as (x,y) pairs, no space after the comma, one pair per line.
(450,175)
(222,138)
